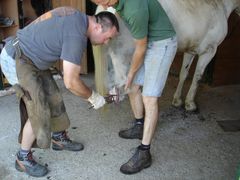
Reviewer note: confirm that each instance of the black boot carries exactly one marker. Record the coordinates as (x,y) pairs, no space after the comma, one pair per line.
(140,160)
(135,132)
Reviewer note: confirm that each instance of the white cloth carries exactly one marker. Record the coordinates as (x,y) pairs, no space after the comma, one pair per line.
(96,100)
(8,66)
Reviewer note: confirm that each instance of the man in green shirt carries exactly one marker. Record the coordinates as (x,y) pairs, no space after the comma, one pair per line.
(156,45)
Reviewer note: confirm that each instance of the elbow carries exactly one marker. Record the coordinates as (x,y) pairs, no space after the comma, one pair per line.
(69,84)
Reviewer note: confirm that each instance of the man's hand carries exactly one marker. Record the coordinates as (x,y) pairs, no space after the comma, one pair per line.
(129,81)
(96,100)
(137,60)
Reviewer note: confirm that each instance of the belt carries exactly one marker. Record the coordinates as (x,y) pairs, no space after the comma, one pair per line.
(15,44)
(19,52)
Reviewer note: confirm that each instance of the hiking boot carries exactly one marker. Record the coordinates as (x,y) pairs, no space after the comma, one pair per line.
(140,160)
(135,132)
(30,166)
(63,142)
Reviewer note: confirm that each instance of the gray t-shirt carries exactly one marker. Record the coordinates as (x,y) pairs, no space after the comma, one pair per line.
(58,34)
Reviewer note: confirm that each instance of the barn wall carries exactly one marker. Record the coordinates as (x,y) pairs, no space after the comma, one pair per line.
(227,60)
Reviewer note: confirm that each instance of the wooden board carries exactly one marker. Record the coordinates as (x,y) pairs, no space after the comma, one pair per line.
(227,60)
(78,4)
(9,8)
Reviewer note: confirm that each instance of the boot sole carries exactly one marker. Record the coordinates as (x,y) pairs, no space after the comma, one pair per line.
(61,149)
(134,172)
(130,138)
(18,167)
(124,137)
(26,171)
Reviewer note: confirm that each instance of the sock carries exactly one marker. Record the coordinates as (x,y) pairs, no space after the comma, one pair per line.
(23,153)
(57,134)
(144,147)
(139,121)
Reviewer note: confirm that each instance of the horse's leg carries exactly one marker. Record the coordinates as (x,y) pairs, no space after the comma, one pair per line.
(203,61)
(186,64)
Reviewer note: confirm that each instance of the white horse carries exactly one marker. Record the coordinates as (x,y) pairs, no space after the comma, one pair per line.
(201,25)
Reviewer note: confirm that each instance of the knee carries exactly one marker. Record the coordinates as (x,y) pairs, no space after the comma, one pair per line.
(150,101)
(135,89)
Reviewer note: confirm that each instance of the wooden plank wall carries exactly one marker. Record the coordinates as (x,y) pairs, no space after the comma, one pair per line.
(78,4)
(9,9)
(226,69)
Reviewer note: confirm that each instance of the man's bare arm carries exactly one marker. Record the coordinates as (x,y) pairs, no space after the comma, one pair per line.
(73,81)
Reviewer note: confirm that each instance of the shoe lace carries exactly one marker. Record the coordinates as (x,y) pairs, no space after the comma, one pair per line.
(30,158)
(135,158)
(64,137)
(132,123)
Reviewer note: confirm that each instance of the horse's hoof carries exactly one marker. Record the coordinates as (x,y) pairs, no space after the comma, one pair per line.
(191,107)
(177,103)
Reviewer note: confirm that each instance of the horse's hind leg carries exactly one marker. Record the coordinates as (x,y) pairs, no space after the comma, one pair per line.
(203,61)
(186,64)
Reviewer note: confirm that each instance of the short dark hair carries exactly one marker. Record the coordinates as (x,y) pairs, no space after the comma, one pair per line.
(107,20)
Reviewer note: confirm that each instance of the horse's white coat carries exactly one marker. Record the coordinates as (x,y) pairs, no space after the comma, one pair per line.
(201,25)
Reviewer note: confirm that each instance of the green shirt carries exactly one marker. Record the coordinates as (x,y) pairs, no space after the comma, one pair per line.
(145,18)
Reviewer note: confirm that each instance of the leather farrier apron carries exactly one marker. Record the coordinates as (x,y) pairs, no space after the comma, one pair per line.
(40,100)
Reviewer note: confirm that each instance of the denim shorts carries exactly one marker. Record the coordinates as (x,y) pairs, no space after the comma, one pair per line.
(153,74)
(8,65)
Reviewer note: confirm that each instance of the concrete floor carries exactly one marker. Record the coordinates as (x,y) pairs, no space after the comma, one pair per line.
(185,146)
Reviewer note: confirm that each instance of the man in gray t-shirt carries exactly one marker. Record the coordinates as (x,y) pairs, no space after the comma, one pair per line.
(60,34)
